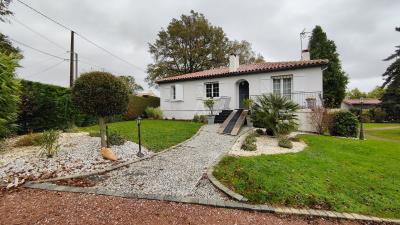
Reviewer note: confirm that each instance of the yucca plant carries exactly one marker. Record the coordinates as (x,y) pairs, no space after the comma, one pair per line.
(275,113)
(49,143)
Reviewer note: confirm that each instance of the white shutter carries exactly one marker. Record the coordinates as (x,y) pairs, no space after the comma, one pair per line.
(200,91)
(166,93)
(179,92)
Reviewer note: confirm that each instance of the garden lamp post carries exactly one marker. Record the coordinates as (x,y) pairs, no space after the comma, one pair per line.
(139,121)
(361,121)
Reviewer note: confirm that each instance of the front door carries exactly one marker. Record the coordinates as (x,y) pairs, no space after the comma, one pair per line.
(243,93)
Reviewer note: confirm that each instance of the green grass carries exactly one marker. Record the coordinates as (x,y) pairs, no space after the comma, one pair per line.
(156,135)
(332,173)
(380,125)
(393,134)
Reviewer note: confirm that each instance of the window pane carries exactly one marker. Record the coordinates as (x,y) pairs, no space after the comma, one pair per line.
(287,87)
(208,90)
(173,92)
(215,90)
(277,86)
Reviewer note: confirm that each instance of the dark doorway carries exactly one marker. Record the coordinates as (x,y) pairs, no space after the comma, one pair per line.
(243,92)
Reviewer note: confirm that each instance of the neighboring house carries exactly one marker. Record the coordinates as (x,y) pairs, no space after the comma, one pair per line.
(367,103)
(182,96)
(146,94)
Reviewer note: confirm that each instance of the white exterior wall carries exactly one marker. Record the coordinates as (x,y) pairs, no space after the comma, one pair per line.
(193,91)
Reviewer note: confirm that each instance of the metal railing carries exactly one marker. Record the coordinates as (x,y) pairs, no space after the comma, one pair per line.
(304,99)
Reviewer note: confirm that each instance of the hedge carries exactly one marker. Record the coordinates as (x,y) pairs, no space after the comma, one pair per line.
(44,106)
(344,124)
(137,105)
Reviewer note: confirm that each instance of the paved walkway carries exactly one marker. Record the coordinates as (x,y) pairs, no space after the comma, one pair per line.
(180,171)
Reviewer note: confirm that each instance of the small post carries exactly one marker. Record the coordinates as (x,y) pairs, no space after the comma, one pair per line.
(71,61)
(76,66)
(108,142)
(361,122)
(139,121)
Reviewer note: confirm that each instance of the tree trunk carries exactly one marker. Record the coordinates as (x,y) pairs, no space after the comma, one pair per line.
(103,137)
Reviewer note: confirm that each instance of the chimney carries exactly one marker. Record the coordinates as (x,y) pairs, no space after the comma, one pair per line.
(305,55)
(233,63)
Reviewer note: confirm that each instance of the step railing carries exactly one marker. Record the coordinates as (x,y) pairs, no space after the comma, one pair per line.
(305,99)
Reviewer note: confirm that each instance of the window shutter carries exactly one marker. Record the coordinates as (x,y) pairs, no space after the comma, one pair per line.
(200,90)
(166,93)
(179,92)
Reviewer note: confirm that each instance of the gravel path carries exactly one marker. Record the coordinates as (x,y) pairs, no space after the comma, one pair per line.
(48,207)
(79,153)
(180,171)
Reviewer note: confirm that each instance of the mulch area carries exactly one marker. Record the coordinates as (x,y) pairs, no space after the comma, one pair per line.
(29,206)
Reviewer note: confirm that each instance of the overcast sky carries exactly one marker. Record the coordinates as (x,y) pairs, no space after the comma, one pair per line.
(363,31)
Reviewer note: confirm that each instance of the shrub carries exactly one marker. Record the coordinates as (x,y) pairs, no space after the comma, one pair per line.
(275,113)
(249,143)
(344,124)
(248,103)
(115,138)
(49,143)
(137,106)
(200,118)
(29,140)
(294,139)
(9,93)
(44,107)
(320,119)
(377,115)
(100,94)
(260,131)
(154,113)
(209,104)
(284,142)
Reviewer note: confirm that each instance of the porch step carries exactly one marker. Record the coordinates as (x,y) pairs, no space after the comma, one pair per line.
(221,117)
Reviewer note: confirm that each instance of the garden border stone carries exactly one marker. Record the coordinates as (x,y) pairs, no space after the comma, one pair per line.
(214,203)
(119,165)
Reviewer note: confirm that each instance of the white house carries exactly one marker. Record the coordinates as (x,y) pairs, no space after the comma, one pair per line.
(182,96)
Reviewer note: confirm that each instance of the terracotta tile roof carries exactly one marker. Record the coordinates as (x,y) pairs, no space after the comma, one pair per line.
(246,69)
(366,101)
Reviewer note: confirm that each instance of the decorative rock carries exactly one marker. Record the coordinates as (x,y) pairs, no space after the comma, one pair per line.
(107,153)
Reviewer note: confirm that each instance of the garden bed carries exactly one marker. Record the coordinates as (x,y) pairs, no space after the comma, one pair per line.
(79,153)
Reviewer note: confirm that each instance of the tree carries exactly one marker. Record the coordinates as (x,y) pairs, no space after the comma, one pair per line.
(9,93)
(100,94)
(193,44)
(4,11)
(334,78)
(391,97)
(377,92)
(7,47)
(275,113)
(133,87)
(356,94)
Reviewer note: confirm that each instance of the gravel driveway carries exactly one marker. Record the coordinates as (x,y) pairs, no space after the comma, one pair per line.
(180,171)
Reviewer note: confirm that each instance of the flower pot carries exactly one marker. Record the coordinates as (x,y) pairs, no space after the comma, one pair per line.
(248,121)
(210,119)
(107,153)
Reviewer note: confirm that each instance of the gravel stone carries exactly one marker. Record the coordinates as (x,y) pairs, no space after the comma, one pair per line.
(79,153)
(180,171)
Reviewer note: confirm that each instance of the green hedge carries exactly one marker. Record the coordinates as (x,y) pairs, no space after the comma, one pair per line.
(137,105)
(44,106)
(344,124)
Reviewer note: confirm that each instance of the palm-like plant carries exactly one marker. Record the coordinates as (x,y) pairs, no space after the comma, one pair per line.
(275,113)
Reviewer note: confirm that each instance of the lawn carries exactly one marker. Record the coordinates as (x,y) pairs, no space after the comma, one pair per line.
(156,135)
(332,173)
(380,125)
(393,134)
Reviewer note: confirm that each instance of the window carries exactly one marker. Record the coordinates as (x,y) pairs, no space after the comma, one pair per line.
(212,90)
(282,85)
(173,92)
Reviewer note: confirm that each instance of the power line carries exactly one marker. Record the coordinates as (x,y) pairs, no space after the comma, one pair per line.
(49,68)
(80,35)
(39,34)
(38,50)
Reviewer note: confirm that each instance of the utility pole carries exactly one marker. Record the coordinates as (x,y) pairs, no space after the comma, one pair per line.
(71,61)
(76,65)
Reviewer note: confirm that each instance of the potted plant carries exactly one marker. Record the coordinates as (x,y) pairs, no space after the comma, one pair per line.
(209,103)
(248,103)
(311,102)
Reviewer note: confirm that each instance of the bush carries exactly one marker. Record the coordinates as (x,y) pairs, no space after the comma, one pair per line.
(115,138)
(260,131)
(153,113)
(284,142)
(200,118)
(9,93)
(294,139)
(249,143)
(274,113)
(137,106)
(320,119)
(209,104)
(377,115)
(49,143)
(29,140)
(344,124)
(102,95)
(44,107)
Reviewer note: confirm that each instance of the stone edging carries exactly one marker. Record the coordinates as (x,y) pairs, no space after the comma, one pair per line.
(121,164)
(213,203)
(284,210)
